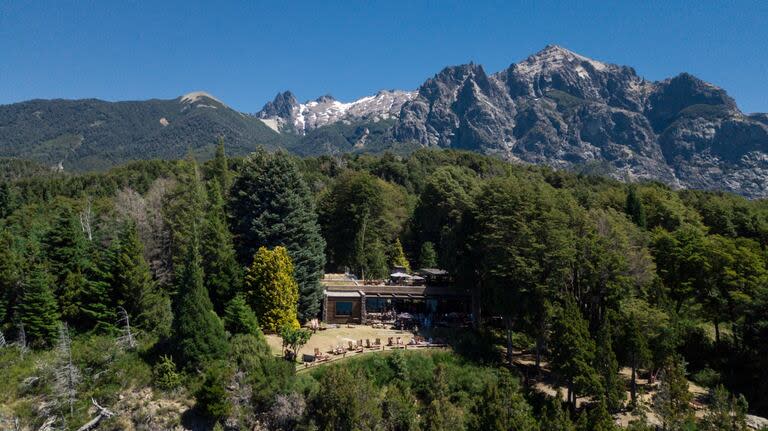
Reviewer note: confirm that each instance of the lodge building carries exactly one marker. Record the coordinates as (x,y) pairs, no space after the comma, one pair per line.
(430,292)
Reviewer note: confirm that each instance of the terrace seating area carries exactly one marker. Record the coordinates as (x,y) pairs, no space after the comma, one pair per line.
(360,346)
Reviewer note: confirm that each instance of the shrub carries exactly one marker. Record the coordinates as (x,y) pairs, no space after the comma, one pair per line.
(706,377)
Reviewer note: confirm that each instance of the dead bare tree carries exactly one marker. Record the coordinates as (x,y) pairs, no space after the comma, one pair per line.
(2,340)
(86,219)
(48,424)
(101,413)
(146,212)
(66,375)
(21,341)
(126,340)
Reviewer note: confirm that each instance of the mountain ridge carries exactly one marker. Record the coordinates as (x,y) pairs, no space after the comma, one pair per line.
(555,107)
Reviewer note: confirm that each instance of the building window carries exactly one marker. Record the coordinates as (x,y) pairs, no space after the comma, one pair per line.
(343,309)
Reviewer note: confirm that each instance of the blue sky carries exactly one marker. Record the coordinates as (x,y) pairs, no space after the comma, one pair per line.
(245,52)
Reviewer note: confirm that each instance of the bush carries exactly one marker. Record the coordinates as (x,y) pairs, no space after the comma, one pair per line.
(706,377)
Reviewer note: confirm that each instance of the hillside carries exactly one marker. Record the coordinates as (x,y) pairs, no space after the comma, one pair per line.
(90,134)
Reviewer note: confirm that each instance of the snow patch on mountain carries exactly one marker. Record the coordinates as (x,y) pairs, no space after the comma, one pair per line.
(325,110)
(196,96)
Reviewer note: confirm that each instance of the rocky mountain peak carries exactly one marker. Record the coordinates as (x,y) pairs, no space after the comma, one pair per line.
(282,106)
(327,98)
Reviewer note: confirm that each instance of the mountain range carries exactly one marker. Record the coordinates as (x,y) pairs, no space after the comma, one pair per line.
(556,108)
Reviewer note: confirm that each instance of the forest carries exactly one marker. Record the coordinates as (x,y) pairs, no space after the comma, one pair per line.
(156,282)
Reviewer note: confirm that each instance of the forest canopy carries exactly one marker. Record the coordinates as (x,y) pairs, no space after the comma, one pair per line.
(588,274)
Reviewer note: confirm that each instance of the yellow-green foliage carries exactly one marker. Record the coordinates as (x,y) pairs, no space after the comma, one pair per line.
(272,291)
(398,258)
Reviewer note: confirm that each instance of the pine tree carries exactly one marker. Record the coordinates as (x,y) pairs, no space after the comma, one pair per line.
(10,275)
(220,168)
(222,273)
(271,289)
(198,331)
(131,278)
(239,318)
(81,288)
(634,207)
(398,256)
(428,255)
(133,287)
(37,308)
(271,206)
(183,211)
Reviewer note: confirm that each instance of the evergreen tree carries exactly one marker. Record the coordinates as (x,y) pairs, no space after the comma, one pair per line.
(441,413)
(131,277)
(608,367)
(725,413)
(198,331)
(600,419)
(271,289)
(399,409)
(239,318)
(501,407)
(220,168)
(37,308)
(555,417)
(222,272)
(211,397)
(446,199)
(132,284)
(573,352)
(672,399)
(398,256)
(427,255)
(81,288)
(349,402)
(6,200)
(184,211)
(634,207)
(10,275)
(636,345)
(271,206)
(372,260)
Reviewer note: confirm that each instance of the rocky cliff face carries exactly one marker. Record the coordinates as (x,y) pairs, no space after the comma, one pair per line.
(564,110)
